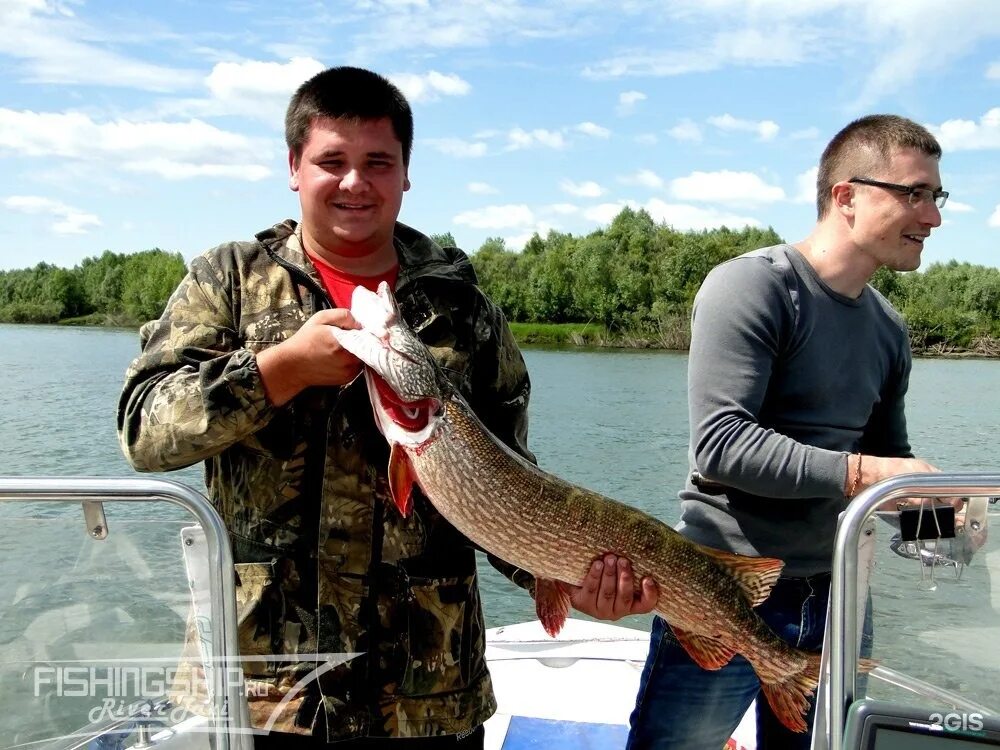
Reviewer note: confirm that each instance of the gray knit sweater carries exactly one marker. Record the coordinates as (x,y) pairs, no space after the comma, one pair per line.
(785,378)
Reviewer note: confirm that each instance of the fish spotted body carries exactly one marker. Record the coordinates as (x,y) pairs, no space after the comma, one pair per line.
(555,529)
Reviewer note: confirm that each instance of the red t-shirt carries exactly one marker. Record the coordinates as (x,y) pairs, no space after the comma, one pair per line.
(340,286)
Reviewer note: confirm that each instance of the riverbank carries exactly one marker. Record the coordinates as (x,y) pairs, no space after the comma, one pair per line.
(678,338)
(588,336)
(673,335)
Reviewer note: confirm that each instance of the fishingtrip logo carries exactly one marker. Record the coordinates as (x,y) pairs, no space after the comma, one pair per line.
(122,690)
(161,693)
(121,681)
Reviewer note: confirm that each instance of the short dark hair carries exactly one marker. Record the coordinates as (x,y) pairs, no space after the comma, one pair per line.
(349,94)
(863,146)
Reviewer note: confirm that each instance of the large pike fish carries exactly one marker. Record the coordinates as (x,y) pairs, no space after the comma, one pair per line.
(554,529)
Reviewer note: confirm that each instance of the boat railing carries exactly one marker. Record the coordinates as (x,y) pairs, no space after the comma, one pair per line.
(839,693)
(227,713)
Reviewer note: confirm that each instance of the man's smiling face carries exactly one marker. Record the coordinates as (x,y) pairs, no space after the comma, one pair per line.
(886,226)
(350,178)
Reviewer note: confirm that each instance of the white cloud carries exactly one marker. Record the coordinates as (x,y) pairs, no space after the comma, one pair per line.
(53,46)
(958,207)
(679,216)
(431,86)
(683,217)
(685,130)
(993,72)
(518,139)
(496,217)
(646,139)
(766,130)
(994,220)
(68,220)
(251,88)
(968,135)
(186,148)
(457,147)
(627,101)
(644,177)
(805,186)
(594,130)
(414,26)
(739,188)
(589,189)
(605,213)
(481,188)
(249,81)
(778,45)
(891,36)
(900,38)
(174,170)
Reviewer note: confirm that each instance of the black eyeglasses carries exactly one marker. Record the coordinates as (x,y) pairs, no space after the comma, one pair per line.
(915,195)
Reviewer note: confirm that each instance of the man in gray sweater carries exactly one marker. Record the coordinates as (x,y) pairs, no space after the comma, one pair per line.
(797,374)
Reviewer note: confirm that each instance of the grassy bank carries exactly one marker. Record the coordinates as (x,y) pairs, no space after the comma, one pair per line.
(671,334)
(101,319)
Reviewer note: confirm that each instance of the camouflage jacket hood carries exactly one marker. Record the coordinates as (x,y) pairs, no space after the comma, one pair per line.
(325,564)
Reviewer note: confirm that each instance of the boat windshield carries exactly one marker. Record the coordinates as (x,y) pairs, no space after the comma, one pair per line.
(104,611)
(936,608)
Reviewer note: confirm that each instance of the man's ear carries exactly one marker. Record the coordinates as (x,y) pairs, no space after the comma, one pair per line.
(406,181)
(293,171)
(842,197)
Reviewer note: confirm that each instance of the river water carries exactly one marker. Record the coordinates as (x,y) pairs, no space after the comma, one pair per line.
(613,421)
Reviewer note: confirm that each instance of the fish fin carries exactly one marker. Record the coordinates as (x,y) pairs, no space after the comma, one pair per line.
(756,576)
(401,479)
(867,665)
(789,699)
(551,604)
(707,653)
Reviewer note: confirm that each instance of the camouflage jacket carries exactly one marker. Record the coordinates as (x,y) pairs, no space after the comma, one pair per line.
(325,565)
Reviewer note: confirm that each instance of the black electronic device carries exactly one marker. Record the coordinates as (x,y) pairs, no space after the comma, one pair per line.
(927,523)
(878,725)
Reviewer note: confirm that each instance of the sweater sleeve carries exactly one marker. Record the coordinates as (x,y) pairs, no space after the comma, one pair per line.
(741,314)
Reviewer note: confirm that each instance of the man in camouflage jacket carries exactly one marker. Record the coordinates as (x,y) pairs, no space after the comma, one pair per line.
(241,372)
(303,488)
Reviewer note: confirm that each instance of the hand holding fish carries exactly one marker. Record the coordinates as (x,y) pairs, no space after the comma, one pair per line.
(609,591)
(312,356)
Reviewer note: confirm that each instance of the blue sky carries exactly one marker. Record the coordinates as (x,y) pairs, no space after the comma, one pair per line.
(131,125)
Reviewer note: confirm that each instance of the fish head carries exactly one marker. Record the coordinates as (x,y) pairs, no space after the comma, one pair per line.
(403,378)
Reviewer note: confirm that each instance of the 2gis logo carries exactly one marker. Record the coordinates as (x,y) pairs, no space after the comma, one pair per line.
(955,721)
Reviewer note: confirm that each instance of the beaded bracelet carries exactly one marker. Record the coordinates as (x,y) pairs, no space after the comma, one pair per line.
(856,479)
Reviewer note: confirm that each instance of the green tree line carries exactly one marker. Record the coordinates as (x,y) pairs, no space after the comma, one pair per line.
(116,288)
(633,281)
(637,279)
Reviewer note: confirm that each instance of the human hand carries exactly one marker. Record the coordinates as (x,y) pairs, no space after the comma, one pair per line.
(877,468)
(609,590)
(913,503)
(311,356)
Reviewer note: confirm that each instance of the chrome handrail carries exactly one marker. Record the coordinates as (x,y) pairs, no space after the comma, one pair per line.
(233,711)
(844,584)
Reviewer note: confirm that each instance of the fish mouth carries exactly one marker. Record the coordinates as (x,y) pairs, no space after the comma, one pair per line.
(410,416)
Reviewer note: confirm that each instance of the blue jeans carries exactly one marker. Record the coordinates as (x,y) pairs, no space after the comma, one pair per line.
(681,706)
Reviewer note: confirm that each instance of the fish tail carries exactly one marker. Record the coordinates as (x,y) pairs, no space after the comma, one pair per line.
(789,698)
